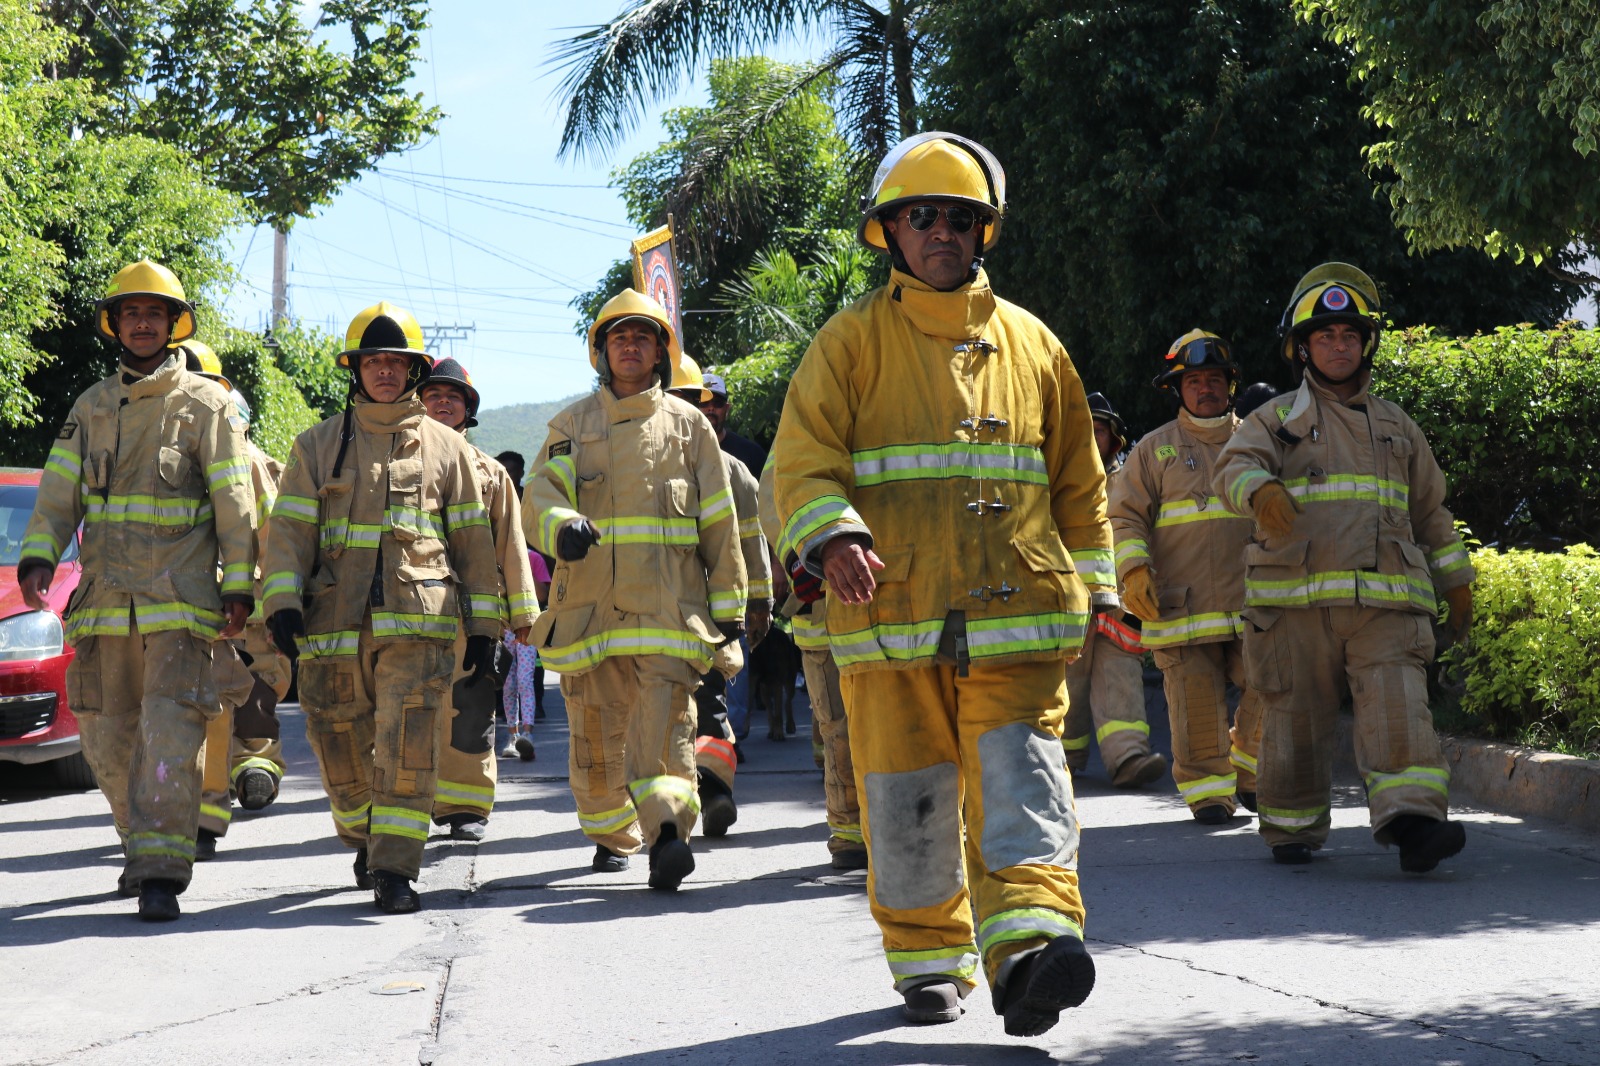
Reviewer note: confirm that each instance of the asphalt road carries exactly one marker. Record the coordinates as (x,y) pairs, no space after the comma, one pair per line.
(1207,952)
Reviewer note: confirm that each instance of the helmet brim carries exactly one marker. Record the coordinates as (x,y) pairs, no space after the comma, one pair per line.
(183,326)
(869,231)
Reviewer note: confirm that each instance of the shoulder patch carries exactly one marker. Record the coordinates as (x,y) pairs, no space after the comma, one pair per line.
(1283,413)
(560,447)
(1166,451)
(67,431)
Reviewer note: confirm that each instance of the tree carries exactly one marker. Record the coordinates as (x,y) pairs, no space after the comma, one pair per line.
(267,103)
(1488,117)
(1174,165)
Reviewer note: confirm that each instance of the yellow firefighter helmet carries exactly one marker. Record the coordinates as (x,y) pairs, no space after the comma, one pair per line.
(934,166)
(631,303)
(200,359)
(146,278)
(1328,294)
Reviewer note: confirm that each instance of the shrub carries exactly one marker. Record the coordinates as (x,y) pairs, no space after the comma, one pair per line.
(1530,672)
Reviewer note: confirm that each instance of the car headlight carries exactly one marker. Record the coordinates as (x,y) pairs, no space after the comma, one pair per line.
(34,635)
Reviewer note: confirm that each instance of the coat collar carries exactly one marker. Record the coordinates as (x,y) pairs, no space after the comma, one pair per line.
(389,417)
(164,378)
(1217,434)
(963,314)
(639,405)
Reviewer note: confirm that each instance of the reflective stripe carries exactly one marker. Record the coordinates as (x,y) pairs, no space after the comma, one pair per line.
(1242,759)
(401,624)
(281,583)
(150,618)
(225,472)
(800,532)
(524,603)
(958,962)
(65,462)
(727,606)
(904,643)
(605,823)
(480,606)
(325,645)
(986,638)
(718,749)
(299,508)
(1448,559)
(41,545)
(1119,633)
(550,524)
(264,506)
(1094,566)
(565,469)
(150,510)
(464,795)
(1227,625)
(1341,487)
(1431,777)
(1336,586)
(1292,820)
(849,832)
(237,577)
(584,653)
(1204,788)
(760,590)
(340,533)
(256,763)
(221,814)
(1182,512)
(1131,548)
(718,507)
(809,634)
(959,459)
(456,516)
(356,819)
(398,822)
(1114,726)
(750,528)
(1076,743)
(681,789)
(1244,486)
(1025,923)
(160,846)
(646,529)
(97,622)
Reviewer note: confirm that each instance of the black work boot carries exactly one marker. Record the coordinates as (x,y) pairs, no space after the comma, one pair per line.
(670,860)
(1291,854)
(158,900)
(393,893)
(205,845)
(607,861)
(1212,814)
(256,788)
(1425,842)
(363,877)
(1247,800)
(467,826)
(932,1002)
(1043,983)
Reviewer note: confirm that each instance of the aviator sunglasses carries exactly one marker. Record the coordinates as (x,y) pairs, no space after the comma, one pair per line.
(961,217)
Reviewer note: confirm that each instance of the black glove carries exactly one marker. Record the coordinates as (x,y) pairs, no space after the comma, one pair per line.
(731,630)
(257,717)
(284,626)
(482,658)
(806,586)
(575,540)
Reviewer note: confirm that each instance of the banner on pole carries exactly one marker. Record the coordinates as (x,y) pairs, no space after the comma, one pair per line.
(655,271)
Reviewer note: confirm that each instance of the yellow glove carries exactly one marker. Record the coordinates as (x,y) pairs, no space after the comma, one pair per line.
(1275,510)
(1460,601)
(1139,594)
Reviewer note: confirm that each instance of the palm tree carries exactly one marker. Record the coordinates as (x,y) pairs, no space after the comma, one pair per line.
(875,51)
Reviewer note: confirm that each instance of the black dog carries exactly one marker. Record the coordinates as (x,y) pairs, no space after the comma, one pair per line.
(773,666)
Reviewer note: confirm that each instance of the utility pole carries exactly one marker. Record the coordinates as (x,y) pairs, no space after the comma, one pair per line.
(280,276)
(437,333)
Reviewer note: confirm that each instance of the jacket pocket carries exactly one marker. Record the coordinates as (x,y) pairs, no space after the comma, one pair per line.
(333,519)
(1268,665)
(427,590)
(1173,600)
(1276,576)
(97,470)
(891,600)
(561,626)
(178,493)
(406,520)
(1048,558)
(198,588)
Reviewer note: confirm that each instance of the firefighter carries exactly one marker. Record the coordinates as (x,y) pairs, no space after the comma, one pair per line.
(467,765)
(937,468)
(152,462)
(1353,547)
(806,611)
(242,741)
(1105,685)
(379,535)
(1180,556)
(632,498)
(715,758)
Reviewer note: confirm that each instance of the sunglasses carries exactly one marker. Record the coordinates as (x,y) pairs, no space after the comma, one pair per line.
(961,217)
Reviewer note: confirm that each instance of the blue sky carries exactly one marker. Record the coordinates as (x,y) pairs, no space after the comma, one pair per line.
(482,225)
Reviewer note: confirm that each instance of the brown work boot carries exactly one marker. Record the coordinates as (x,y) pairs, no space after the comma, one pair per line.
(932,1002)
(158,900)
(1137,770)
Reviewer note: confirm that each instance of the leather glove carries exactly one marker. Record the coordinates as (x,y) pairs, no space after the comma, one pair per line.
(806,586)
(481,657)
(257,717)
(731,631)
(1275,510)
(575,540)
(284,626)
(1460,601)
(757,620)
(1139,594)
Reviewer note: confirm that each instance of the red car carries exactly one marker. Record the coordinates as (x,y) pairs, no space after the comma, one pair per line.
(35,723)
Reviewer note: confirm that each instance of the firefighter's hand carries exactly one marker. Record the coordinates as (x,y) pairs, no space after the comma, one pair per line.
(1275,510)
(806,586)
(284,626)
(1139,594)
(848,567)
(757,620)
(35,585)
(480,657)
(575,540)
(237,614)
(731,631)
(522,634)
(1460,620)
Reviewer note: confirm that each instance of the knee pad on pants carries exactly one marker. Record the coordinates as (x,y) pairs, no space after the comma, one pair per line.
(914,835)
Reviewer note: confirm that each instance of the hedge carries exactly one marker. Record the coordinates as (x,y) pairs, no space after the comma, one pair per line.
(1529,672)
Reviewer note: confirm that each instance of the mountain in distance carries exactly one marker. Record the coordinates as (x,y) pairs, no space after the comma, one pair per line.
(520,427)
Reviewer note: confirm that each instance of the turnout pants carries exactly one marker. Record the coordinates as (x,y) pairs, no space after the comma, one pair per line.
(1210,761)
(142,702)
(261,753)
(1304,663)
(940,758)
(468,769)
(714,757)
(838,770)
(632,756)
(1105,695)
(373,720)
(233,682)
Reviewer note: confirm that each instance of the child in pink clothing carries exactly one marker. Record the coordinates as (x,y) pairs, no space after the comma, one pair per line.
(524,688)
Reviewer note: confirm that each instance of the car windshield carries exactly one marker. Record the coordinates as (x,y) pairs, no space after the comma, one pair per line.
(16,507)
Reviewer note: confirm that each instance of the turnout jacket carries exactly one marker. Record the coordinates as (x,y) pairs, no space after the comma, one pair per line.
(1375,530)
(647,471)
(951,429)
(752,542)
(155,468)
(401,533)
(519,603)
(1164,516)
(264,474)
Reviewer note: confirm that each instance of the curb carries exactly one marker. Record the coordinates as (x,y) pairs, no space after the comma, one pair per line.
(1508,779)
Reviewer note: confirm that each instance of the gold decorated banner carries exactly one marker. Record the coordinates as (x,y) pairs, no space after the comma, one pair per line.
(655,271)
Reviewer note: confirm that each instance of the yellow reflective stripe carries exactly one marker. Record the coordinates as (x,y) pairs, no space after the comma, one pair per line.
(64,462)
(523,603)
(1094,566)
(1364,586)
(221,814)
(604,823)
(715,508)
(1114,726)
(299,508)
(550,524)
(398,822)
(157,617)
(565,470)
(356,819)
(1190,627)
(678,788)
(1244,486)
(727,606)
(679,644)
(422,523)
(1208,787)
(959,962)
(460,516)
(801,532)
(750,528)
(325,645)
(1242,759)
(160,845)
(1076,743)
(849,832)
(1429,777)
(1050,631)
(1025,923)
(151,510)
(97,622)
(464,795)
(400,624)
(1181,512)
(648,529)
(481,606)
(237,577)
(255,762)
(41,545)
(280,583)
(1343,487)
(1132,548)
(1448,559)
(1292,819)
(958,459)
(225,472)
(760,589)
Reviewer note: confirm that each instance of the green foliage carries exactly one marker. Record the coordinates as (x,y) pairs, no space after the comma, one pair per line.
(1513,417)
(1174,165)
(1530,671)
(309,356)
(1488,116)
(520,428)
(280,110)
(278,410)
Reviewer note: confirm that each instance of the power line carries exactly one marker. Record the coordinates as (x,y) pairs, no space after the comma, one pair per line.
(498,181)
(527,210)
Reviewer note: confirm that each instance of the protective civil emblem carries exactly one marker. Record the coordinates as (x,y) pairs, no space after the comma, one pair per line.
(1166,451)
(1335,299)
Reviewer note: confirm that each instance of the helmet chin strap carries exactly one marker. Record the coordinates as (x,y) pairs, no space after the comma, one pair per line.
(1303,354)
